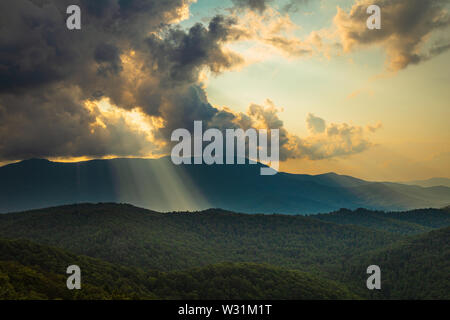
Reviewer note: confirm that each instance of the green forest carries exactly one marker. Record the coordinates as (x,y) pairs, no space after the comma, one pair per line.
(126,252)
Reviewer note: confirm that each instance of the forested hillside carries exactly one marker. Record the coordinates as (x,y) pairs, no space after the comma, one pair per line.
(418,268)
(408,223)
(128,252)
(131,236)
(31,271)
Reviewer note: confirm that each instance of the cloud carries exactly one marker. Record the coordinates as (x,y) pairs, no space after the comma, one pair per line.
(406,26)
(48,74)
(327,141)
(292,47)
(315,124)
(274,33)
(374,128)
(255,5)
(262,5)
(121,85)
(294,5)
(182,55)
(57,123)
(438,49)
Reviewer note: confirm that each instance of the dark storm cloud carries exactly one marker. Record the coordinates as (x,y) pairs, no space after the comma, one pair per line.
(37,49)
(108,57)
(52,122)
(48,72)
(34,50)
(406,24)
(129,52)
(172,63)
(180,55)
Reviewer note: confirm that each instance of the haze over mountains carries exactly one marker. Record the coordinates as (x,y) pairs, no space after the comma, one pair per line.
(159,185)
(433,182)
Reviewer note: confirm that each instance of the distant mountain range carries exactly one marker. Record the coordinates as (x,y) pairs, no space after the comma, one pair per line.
(159,185)
(433,182)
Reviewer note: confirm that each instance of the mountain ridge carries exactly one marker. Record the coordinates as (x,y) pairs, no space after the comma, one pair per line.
(432,182)
(159,185)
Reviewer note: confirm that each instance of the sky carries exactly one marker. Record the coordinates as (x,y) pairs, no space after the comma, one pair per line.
(367,103)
